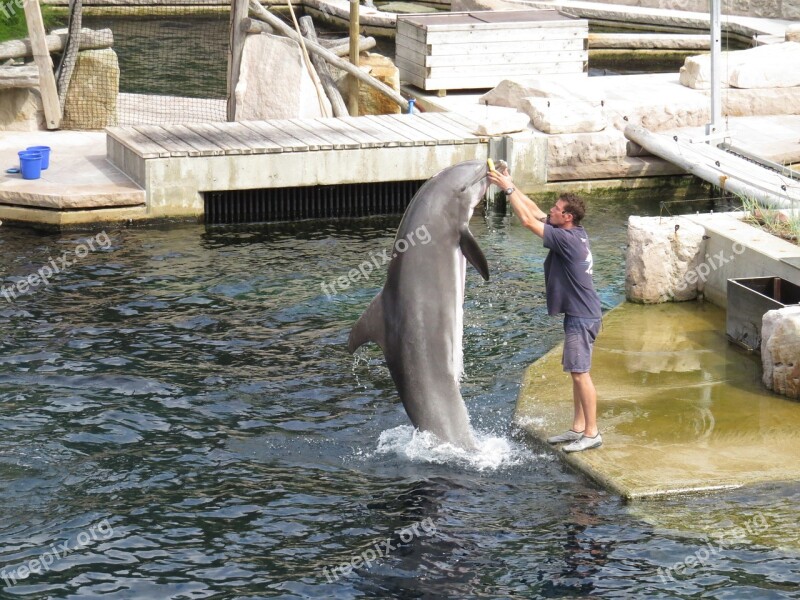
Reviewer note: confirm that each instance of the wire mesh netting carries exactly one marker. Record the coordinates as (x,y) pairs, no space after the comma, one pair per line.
(168,66)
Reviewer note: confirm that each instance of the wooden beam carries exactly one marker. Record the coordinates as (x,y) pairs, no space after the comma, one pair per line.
(352,100)
(324,72)
(19,77)
(41,57)
(239,11)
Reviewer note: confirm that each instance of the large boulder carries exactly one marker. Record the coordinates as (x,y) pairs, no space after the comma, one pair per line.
(370,100)
(664,260)
(576,149)
(91,101)
(780,350)
(514,92)
(274,82)
(554,115)
(773,65)
(21,110)
(793,33)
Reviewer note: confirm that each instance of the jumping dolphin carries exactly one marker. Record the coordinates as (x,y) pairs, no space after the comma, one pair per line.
(418,317)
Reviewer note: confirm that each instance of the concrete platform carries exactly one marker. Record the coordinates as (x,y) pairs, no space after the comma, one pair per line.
(80,186)
(680,409)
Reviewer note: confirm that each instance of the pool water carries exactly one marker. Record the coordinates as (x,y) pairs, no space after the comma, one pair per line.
(180,418)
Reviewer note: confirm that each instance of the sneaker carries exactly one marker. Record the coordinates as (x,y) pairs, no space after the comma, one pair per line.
(585,443)
(567,436)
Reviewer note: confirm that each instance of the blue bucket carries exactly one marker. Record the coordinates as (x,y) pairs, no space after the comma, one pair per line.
(30,163)
(45,152)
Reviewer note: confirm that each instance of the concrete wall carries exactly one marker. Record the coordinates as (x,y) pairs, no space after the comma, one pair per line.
(736,249)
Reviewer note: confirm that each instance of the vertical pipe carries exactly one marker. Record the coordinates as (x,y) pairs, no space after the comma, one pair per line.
(352,100)
(716,55)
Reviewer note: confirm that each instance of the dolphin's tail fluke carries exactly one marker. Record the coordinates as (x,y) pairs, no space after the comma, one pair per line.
(370,326)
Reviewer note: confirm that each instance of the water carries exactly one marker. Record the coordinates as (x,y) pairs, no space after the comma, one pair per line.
(179,409)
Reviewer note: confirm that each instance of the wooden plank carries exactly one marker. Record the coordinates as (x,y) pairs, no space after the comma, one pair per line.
(408,132)
(306,132)
(442,136)
(497,61)
(259,143)
(138,143)
(279,135)
(558,58)
(202,145)
(388,138)
(239,11)
(339,140)
(229,144)
(496,54)
(173,144)
(364,139)
(456,129)
(41,56)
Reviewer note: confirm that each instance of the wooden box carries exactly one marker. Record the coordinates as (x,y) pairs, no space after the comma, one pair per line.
(474,50)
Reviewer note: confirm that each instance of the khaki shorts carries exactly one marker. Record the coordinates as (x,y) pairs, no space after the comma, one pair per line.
(579,336)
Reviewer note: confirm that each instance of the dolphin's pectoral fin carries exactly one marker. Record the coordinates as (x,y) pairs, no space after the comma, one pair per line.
(473,253)
(369,327)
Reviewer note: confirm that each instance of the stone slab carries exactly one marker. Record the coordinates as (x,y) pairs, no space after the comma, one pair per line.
(79,176)
(680,409)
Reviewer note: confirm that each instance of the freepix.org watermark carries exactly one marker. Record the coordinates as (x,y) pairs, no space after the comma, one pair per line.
(380,549)
(418,236)
(42,564)
(718,543)
(708,266)
(55,266)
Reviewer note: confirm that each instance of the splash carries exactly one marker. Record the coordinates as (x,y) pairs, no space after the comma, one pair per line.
(493,451)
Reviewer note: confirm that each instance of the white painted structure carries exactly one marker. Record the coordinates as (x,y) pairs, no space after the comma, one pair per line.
(478,50)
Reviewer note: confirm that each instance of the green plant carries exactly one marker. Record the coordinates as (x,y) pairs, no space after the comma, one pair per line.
(774,221)
(12,21)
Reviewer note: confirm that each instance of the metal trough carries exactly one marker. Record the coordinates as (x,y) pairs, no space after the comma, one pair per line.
(748,299)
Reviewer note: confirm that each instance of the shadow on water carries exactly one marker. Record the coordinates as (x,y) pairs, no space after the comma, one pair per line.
(191,386)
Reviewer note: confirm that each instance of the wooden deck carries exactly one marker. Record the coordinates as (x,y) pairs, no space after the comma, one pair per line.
(177,165)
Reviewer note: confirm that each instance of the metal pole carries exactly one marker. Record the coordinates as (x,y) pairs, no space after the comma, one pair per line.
(352,101)
(716,73)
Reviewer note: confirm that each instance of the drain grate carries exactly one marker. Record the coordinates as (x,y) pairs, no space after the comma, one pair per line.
(314,202)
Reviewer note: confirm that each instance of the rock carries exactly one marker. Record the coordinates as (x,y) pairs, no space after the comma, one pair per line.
(742,67)
(777,68)
(274,82)
(793,33)
(574,149)
(513,92)
(657,114)
(468,5)
(780,350)
(495,120)
(370,100)
(778,101)
(91,101)
(554,115)
(21,110)
(662,263)
(404,8)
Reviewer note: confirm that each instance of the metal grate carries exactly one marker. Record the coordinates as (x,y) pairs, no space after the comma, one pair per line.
(314,202)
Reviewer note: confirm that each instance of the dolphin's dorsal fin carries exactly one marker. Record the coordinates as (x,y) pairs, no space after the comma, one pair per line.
(369,327)
(473,253)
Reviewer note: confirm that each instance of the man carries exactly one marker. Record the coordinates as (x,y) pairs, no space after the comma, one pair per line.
(569,290)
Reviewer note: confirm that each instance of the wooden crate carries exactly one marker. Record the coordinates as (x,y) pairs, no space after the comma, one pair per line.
(474,50)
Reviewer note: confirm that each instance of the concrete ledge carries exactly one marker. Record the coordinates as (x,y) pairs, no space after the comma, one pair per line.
(680,409)
(78,219)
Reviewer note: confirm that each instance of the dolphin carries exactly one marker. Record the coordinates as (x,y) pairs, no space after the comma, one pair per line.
(418,317)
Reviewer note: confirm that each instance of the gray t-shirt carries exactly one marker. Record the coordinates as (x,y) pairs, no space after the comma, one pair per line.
(568,273)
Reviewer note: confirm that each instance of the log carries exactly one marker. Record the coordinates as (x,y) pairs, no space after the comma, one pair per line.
(71,47)
(363,45)
(264,15)
(324,72)
(41,57)
(19,77)
(239,10)
(90,40)
(352,100)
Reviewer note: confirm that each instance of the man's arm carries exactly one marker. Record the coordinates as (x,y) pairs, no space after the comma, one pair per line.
(526,209)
